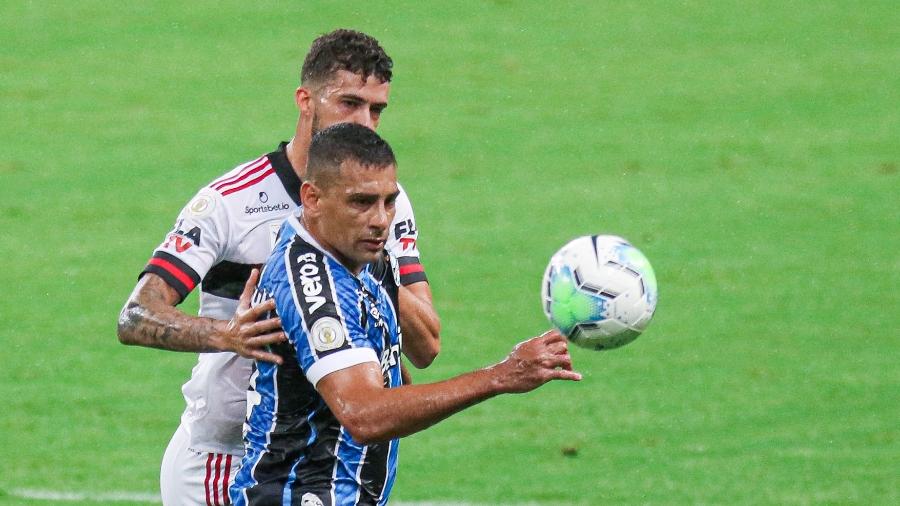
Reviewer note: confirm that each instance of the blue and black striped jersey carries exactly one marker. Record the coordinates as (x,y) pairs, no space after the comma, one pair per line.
(296,451)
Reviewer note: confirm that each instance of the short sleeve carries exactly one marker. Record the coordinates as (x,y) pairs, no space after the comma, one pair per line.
(194,244)
(403,242)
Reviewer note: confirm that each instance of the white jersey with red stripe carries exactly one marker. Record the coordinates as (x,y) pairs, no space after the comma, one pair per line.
(226,229)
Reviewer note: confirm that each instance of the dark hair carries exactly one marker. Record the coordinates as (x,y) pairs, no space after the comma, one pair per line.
(342,142)
(345,50)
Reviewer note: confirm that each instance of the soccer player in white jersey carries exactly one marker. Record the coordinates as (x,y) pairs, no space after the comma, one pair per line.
(323,427)
(230,226)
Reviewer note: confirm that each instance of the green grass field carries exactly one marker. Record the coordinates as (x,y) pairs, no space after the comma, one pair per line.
(750,149)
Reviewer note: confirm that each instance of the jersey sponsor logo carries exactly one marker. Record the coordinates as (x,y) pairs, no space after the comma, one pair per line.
(266,208)
(310,281)
(327,334)
(180,241)
(406,227)
(406,231)
(202,205)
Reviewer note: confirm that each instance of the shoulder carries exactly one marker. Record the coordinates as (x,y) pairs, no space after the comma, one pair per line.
(243,176)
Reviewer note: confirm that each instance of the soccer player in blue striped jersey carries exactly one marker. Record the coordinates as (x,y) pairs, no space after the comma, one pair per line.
(323,425)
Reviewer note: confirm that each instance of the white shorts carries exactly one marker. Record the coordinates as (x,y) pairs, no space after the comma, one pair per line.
(189,478)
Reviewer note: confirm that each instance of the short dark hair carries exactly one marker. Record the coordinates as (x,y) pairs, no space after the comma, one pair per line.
(345,50)
(345,142)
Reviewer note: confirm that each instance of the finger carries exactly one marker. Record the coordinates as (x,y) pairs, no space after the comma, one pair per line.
(554,361)
(558,348)
(249,287)
(266,357)
(552,336)
(260,342)
(262,327)
(563,374)
(254,313)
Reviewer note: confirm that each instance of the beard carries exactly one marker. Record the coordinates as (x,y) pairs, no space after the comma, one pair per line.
(316,126)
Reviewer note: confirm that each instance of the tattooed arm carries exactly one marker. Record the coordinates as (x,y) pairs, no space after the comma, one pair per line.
(150,319)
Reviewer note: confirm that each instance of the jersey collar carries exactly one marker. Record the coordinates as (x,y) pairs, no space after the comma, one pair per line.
(296,223)
(285,172)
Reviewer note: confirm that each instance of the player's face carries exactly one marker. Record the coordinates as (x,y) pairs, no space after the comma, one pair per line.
(348,98)
(357,210)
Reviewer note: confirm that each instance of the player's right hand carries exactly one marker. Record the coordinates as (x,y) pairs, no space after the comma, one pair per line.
(537,361)
(247,336)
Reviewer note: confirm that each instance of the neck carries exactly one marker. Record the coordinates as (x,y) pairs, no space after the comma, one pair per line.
(298,149)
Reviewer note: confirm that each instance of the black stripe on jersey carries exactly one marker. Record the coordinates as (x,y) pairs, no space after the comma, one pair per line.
(314,291)
(373,474)
(288,441)
(174,272)
(226,279)
(285,171)
(414,275)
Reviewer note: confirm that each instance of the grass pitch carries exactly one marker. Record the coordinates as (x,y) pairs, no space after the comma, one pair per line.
(750,151)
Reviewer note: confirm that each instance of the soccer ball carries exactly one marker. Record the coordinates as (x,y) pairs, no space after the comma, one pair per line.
(599,291)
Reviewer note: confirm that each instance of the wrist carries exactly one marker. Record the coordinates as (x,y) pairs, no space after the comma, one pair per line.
(495,379)
(218,336)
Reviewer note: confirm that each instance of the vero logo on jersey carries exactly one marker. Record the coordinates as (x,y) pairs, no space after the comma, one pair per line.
(310,281)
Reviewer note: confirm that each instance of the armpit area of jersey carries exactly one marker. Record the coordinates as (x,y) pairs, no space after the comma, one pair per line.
(173,271)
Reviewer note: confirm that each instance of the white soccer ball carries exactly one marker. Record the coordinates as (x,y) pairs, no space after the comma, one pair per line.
(599,291)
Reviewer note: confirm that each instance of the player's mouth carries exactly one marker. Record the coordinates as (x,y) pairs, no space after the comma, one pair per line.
(373,244)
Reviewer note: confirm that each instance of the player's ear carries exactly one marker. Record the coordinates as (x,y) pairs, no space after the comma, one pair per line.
(309,197)
(303,99)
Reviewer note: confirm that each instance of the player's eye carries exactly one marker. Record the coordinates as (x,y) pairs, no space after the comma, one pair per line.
(362,201)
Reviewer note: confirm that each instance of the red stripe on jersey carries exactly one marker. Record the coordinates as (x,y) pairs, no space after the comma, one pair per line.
(411,268)
(216,479)
(248,167)
(225,499)
(251,182)
(206,482)
(175,271)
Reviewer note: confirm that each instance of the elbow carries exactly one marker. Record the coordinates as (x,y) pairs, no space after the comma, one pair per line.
(425,357)
(125,325)
(363,431)
(430,347)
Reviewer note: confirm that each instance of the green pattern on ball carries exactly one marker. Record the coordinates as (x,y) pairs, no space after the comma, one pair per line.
(562,287)
(569,306)
(582,307)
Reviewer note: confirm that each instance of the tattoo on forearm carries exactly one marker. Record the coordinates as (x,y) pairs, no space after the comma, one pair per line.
(150,320)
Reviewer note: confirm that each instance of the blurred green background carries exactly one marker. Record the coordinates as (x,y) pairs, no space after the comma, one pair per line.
(749,149)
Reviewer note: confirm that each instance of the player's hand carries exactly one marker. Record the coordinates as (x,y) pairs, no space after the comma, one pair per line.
(248,337)
(535,362)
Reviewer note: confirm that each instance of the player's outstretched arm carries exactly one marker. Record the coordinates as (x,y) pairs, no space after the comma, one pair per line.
(150,319)
(372,413)
(420,323)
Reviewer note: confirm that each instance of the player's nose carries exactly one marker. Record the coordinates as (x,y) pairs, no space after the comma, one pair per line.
(365,118)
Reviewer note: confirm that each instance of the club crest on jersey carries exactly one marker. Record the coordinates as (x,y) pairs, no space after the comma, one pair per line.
(327,334)
(310,281)
(202,205)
